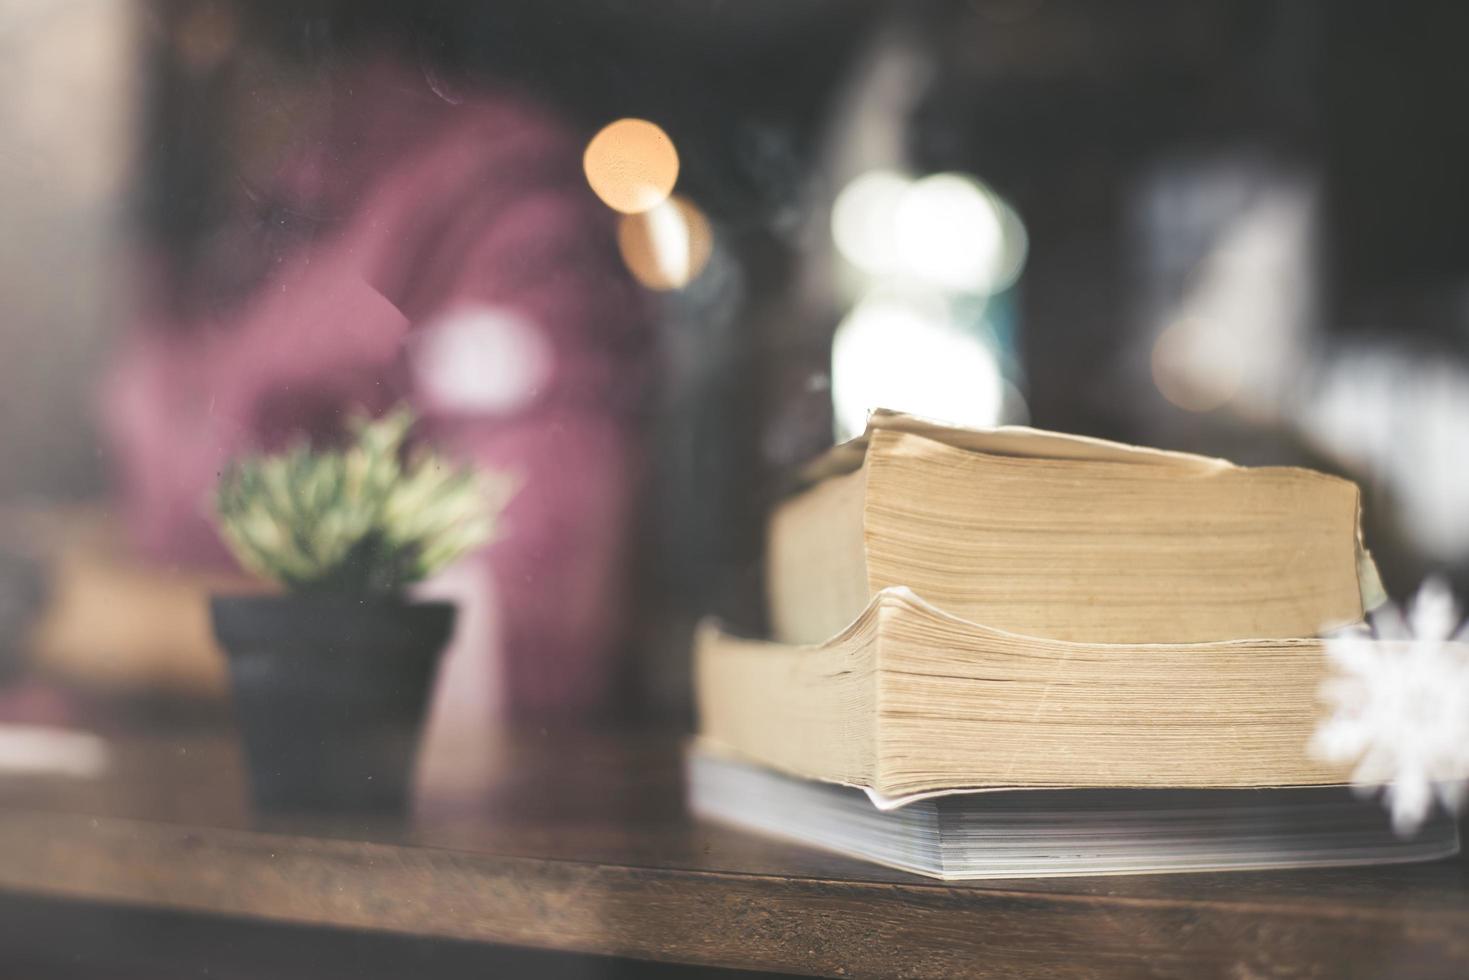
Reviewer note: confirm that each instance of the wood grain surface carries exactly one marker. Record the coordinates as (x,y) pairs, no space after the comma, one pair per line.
(581,843)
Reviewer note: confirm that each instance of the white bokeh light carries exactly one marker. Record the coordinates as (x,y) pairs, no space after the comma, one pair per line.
(903,352)
(480,358)
(947,231)
(863,220)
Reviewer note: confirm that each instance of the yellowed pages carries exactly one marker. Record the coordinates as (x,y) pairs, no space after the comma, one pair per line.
(1109,552)
(957,705)
(1066,537)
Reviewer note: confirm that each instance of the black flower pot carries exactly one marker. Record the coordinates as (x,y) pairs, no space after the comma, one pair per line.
(330,694)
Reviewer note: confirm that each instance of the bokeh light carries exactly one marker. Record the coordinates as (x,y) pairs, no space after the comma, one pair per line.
(949,232)
(480,359)
(863,219)
(946,230)
(1015,241)
(631,165)
(902,351)
(1195,366)
(668,246)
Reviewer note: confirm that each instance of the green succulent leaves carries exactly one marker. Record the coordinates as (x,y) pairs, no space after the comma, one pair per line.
(371,517)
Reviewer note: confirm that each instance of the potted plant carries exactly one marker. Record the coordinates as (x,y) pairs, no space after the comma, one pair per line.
(331,678)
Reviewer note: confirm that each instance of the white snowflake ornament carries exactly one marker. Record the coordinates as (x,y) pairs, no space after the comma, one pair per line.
(1400,707)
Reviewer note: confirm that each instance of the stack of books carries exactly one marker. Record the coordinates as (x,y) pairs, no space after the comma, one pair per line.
(1012,653)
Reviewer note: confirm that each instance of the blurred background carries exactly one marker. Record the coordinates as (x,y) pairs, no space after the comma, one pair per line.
(1234,228)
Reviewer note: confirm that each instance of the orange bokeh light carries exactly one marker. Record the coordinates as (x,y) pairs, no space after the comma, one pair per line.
(631,165)
(668,246)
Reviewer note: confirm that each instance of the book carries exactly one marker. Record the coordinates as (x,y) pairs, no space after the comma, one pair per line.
(911,699)
(1014,652)
(1066,832)
(1065,537)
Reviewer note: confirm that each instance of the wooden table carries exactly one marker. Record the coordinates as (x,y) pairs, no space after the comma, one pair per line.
(582,844)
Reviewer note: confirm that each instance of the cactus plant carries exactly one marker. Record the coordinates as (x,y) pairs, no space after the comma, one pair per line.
(372,517)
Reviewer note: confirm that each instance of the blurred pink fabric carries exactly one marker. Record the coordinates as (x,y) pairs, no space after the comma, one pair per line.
(450,256)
